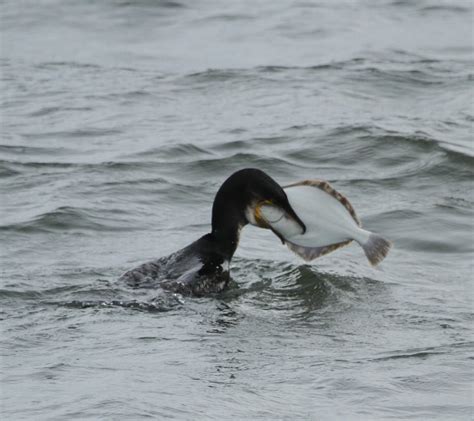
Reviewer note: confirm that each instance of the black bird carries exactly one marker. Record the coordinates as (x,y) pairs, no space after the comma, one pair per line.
(203,266)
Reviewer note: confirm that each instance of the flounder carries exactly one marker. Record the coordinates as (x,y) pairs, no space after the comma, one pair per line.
(330,220)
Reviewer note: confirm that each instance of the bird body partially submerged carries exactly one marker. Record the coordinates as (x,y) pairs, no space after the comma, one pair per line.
(203,267)
(198,269)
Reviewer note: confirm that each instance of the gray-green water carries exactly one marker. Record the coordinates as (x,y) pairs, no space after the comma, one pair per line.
(119,121)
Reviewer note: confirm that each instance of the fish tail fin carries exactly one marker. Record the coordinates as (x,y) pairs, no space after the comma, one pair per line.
(376,248)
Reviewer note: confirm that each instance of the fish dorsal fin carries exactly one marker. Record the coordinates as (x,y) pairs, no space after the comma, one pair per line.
(327,188)
(311,253)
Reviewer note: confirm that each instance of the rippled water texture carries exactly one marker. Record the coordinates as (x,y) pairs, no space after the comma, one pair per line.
(119,121)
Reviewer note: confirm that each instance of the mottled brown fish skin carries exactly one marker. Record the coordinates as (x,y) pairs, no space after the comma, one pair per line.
(309,254)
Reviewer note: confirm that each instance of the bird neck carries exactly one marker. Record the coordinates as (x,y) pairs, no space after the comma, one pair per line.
(227,221)
(225,234)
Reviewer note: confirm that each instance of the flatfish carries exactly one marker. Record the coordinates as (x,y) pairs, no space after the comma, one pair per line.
(330,219)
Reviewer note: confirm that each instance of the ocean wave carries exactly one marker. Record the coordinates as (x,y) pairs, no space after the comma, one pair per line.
(68,218)
(85,132)
(387,138)
(454,8)
(399,155)
(50,110)
(151,4)
(387,155)
(400,67)
(225,17)
(31,151)
(174,150)
(239,160)
(158,306)
(425,352)
(300,291)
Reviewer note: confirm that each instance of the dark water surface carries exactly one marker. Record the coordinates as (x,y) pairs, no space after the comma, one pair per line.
(119,121)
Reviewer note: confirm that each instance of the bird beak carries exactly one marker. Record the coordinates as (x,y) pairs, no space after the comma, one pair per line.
(279,215)
(292,214)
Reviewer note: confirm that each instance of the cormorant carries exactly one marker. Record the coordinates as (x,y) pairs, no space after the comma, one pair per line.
(203,266)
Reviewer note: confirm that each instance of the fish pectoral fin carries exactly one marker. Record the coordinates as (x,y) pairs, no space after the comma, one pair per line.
(311,253)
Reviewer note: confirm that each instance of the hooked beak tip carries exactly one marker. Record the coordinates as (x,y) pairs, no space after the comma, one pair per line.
(278,235)
(296,218)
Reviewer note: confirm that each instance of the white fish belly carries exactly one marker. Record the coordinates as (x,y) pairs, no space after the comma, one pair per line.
(327,220)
